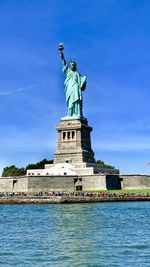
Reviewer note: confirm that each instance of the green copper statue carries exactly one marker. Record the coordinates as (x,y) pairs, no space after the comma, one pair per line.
(74,85)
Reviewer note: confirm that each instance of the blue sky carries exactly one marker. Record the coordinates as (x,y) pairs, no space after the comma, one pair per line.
(110,41)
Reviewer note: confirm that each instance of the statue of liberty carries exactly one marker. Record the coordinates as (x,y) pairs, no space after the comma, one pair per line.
(74,85)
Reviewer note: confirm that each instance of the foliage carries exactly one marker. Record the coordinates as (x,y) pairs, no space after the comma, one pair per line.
(13,171)
(104,164)
(39,165)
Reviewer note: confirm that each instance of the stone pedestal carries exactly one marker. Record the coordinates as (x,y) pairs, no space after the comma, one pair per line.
(74,142)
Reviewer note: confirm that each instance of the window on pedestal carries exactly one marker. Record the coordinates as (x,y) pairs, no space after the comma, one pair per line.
(73,134)
(64,135)
(68,135)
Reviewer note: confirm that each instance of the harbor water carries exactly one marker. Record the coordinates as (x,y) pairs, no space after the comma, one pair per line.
(64,235)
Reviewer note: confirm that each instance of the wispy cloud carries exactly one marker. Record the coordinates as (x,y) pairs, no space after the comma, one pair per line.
(21,89)
(24,88)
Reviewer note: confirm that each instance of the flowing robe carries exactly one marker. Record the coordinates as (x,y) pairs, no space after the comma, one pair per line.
(74,85)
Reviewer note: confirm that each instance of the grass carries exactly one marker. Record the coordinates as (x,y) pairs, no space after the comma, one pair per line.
(122,191)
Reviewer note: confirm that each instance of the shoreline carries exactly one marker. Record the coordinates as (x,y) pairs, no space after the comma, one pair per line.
(69,199)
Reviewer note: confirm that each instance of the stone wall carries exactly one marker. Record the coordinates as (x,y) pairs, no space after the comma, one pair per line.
(59,183)
(16,184)
(135,181)
(50,183)
(66,183)
(70,183)
(96,182)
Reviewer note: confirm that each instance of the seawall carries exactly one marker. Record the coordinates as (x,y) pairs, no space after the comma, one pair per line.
(69,199)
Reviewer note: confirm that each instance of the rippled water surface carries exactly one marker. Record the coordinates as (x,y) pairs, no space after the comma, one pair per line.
(90,235)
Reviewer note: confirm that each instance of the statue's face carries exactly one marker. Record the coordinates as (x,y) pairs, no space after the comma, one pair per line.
(72,66)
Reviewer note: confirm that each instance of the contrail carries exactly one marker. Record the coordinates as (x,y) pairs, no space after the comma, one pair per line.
(23,88)
(17,90)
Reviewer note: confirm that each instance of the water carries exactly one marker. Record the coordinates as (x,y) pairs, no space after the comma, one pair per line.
(88,235)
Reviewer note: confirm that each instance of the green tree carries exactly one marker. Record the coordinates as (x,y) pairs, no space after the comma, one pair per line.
(104,164)
(13,171)
(39,165)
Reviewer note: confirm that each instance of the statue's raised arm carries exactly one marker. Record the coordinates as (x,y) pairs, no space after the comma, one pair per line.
(74,85)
